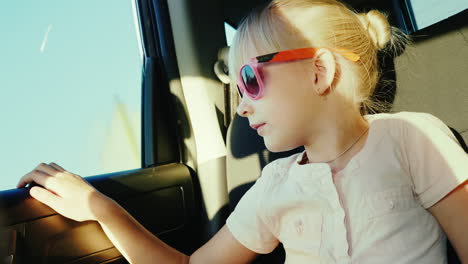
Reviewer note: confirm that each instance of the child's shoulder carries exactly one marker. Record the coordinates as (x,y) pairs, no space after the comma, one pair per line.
(408,126)
(408,120)
(405,116)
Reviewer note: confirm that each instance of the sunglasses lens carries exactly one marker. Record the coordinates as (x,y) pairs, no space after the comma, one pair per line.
(250,81)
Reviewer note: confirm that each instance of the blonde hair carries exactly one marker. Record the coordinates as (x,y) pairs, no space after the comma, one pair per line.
(291,24)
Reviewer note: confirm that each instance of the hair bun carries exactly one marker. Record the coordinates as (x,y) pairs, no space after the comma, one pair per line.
(377,26)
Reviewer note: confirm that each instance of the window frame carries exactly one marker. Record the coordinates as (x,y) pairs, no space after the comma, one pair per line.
(161,142)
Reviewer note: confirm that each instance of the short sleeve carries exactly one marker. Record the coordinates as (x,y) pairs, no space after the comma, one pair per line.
(435,160)
(246,223)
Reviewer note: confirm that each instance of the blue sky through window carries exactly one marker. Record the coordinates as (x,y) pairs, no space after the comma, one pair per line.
(70,86)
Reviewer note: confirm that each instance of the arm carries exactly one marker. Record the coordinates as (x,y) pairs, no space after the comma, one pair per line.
(222,248)
(438,167)
(452,214)
(74,198)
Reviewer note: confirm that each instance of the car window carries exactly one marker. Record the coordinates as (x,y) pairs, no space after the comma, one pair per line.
(70,86)
(229,31)
(423,13)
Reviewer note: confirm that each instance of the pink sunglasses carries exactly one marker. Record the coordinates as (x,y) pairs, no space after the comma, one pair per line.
(250,81)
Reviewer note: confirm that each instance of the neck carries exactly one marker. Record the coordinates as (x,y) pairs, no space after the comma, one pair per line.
(334,136)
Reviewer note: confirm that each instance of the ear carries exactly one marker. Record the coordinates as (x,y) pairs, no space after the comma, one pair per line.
(324,70)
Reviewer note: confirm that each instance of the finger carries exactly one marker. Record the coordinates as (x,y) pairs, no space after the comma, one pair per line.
(57,167)
(46,168)
(45,196)
(21,183)
(25,180)
(39,177)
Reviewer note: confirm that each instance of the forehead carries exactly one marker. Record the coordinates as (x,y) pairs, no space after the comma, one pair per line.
(250,46)
(256,48)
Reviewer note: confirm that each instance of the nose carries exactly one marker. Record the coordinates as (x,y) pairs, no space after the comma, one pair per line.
(244,108)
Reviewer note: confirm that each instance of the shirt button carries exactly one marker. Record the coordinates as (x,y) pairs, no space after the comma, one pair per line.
(323,181)
(338,207)
(299,227)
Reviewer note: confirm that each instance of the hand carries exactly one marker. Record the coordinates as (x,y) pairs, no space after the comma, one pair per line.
(67,193)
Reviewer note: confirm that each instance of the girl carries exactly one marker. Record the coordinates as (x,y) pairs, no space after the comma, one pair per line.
(367,189)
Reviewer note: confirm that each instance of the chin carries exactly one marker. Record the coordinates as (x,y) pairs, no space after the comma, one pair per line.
(278,147)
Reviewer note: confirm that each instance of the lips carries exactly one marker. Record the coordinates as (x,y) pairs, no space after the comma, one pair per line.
(257,126)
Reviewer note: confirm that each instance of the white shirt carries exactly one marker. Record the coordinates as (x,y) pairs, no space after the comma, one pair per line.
(372,211)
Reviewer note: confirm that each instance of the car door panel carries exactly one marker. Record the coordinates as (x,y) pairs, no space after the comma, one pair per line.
(161,198)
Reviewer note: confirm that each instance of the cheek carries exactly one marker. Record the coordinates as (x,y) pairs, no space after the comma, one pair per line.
(288,90)
(288,96)
(291,108)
